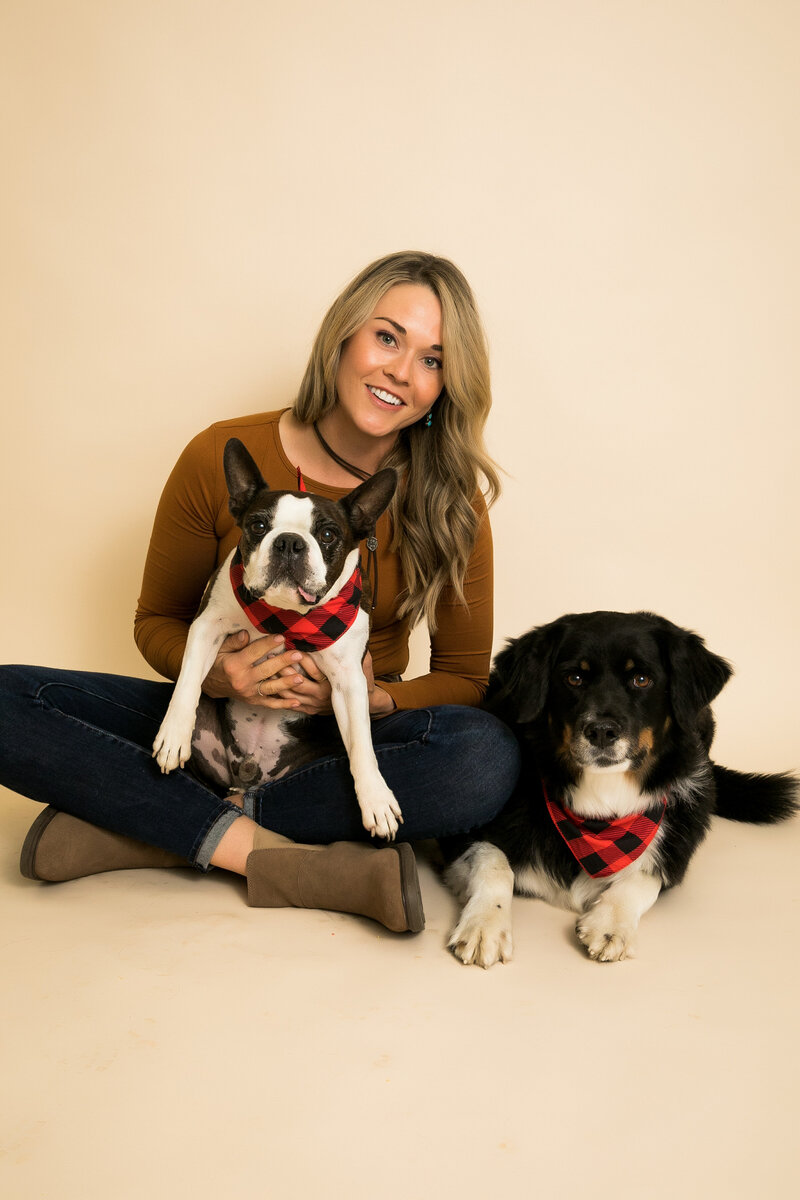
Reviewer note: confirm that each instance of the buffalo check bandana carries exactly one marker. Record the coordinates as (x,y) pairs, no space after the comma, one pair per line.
(314,630)
(602,848)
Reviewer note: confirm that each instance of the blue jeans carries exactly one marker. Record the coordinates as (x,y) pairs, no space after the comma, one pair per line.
(83,743)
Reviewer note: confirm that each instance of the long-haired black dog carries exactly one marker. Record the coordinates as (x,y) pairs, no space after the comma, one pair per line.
(617,789)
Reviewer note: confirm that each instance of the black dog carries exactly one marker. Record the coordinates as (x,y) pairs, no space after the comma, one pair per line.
(617,789)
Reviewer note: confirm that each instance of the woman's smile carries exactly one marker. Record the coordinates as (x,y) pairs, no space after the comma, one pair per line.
(390,371)
(385,397)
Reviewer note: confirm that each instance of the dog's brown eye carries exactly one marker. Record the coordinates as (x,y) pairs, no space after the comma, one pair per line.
(641,681)
(328,536)
(575,680)
(257,528)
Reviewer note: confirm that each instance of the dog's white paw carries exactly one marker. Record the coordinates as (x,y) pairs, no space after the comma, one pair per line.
(605,939)
(172,747)
(483,940)
(381,814)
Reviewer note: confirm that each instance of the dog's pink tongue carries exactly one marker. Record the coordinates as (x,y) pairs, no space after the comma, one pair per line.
(304,595)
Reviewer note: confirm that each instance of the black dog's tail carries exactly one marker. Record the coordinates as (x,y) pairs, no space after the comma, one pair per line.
(759,799)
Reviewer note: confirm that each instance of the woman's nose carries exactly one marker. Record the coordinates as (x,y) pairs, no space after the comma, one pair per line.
(399,369)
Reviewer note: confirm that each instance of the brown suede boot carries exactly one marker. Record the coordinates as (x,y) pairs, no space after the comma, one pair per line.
(350,877)
(60,847)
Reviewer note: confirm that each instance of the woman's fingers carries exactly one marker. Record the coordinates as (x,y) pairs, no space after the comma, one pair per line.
(312,693)
(271,692)
(312,669)
(267,679)
(242,666)
(234,642)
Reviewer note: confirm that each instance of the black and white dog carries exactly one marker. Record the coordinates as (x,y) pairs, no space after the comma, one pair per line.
(617,789)
(296,571)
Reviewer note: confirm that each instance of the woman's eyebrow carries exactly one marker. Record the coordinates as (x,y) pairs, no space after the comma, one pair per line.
(400,329)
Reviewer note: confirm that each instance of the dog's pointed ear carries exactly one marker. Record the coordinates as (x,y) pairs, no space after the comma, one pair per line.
(521,674)
(366,502)
(696,675)
(242,477)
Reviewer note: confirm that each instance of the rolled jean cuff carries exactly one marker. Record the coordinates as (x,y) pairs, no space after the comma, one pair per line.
(214,836)
(249,801)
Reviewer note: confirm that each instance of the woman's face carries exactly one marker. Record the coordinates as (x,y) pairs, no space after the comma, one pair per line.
(390,370)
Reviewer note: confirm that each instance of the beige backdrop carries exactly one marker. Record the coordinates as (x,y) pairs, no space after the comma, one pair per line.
(186,186)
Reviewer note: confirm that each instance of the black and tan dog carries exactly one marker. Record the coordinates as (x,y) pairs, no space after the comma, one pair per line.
(617,789)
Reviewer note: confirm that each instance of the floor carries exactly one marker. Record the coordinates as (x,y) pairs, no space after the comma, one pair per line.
(160,1038)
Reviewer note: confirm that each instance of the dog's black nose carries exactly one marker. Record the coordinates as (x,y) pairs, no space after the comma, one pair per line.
(290,544)
(602,733)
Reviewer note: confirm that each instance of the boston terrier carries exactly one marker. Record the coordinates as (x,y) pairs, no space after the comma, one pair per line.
(296,572)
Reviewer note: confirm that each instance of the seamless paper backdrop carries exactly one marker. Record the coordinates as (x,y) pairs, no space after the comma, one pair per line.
(187,185)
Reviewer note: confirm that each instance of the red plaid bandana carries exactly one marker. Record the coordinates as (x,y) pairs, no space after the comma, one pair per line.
(317,629)
(604,847)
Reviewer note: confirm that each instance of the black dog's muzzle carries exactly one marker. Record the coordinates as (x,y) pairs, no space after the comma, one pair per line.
(601,732)
(600,741)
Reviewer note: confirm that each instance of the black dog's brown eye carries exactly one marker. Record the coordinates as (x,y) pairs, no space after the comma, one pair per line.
(641,681)
(575,680)
(257,528)
(328,537)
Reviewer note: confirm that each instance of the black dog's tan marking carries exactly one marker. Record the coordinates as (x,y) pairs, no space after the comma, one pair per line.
(611,712)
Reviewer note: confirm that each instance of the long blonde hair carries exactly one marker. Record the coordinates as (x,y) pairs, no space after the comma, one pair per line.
(442,467)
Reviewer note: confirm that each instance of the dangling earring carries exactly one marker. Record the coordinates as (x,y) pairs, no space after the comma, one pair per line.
(429,419)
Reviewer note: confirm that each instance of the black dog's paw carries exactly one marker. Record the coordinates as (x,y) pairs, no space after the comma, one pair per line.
(605,937)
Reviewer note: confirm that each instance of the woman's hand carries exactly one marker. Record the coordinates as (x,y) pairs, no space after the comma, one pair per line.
(244,670)
(312,695)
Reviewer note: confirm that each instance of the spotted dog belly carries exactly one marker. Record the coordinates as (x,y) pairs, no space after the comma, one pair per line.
(236,745)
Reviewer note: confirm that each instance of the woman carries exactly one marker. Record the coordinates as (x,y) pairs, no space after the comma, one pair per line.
(398,376)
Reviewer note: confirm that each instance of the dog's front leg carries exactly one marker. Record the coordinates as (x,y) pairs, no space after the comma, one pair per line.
(173,744)
(380,811)
(483,881)
(608,928)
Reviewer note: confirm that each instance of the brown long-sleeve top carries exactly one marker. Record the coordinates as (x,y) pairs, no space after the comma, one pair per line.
(194,532)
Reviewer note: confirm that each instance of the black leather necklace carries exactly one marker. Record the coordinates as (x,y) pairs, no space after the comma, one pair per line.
(337,458)
(372,541)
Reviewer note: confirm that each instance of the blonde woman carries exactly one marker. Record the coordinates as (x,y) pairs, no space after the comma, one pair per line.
(398,376)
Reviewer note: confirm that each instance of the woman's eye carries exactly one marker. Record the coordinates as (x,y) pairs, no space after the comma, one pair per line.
(386,339)
(575,680)
(433,364)
(641,681)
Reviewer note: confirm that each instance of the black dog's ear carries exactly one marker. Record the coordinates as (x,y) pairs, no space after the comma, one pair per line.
(520,677)
(242,477)
(366,502)
(696,675)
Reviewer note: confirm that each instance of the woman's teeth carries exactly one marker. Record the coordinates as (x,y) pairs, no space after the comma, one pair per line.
(386,397)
